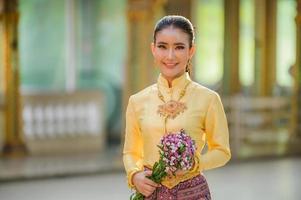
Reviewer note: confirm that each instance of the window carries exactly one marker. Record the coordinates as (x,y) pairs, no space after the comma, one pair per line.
(209,41)
(286,41)
(42,44)
(246,43)
(72,42)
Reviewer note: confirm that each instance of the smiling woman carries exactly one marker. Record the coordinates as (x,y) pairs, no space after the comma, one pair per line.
(172,52)
(174,103)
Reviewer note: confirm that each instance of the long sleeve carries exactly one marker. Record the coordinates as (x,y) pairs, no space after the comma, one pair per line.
(204,120)
(132,152)
(217,136)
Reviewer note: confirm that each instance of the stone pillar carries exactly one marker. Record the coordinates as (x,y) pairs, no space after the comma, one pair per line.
(179,7)
(265,47)
(296,102)
(140,70)
(1,79)
(231,84)
(13,139)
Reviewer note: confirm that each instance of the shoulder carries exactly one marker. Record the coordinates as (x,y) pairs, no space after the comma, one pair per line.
(203,91)
(139,100)
(142,95)
(209,97)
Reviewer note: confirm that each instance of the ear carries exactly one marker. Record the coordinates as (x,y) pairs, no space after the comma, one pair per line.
(153,48)
(192,51)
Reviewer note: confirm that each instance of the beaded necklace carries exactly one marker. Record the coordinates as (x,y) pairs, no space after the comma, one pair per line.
(172,108)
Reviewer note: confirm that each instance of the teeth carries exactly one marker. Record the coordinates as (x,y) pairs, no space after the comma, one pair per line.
(169,64)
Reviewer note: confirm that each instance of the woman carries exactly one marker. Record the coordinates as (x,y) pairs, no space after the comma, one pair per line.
(173,103)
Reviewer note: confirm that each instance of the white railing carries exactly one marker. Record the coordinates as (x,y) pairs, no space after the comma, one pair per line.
(257,122)
(64,120)
(61,120)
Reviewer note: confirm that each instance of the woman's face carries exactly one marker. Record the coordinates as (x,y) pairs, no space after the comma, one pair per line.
(172,52)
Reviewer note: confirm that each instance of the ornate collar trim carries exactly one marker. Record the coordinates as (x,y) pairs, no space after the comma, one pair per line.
(176,83)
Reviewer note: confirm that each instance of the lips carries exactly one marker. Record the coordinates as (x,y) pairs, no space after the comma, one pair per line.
(170,65)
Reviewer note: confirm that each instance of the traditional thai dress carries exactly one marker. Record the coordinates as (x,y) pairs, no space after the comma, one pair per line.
(203,118)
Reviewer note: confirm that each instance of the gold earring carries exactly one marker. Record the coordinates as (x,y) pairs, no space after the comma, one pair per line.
(188,66)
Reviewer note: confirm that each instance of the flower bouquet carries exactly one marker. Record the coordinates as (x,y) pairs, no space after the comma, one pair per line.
(176,153)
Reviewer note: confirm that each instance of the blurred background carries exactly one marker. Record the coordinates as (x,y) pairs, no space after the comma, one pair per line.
(67,68)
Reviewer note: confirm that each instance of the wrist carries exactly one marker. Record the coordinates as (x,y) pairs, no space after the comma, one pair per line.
(130,178)
(133,178)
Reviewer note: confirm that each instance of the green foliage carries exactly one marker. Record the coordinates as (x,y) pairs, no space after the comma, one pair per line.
(157,175)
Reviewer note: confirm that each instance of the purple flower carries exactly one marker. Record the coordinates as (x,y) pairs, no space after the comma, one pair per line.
(178,150)
(176,153)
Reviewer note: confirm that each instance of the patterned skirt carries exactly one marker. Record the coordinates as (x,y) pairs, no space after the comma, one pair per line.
(192,189)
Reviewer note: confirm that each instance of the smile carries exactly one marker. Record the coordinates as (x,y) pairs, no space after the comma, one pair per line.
(170,65)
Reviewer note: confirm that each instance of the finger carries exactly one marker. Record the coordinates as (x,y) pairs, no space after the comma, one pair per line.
(148,173)
(147,194)
(181,172)
(149,189)
(151,183)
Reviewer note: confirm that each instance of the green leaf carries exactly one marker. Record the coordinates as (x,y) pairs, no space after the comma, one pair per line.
(182,148)
(137,196)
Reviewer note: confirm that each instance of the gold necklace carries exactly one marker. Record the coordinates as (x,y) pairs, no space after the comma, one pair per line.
(172,108)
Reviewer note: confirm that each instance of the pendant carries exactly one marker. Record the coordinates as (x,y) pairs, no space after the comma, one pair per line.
(171,109)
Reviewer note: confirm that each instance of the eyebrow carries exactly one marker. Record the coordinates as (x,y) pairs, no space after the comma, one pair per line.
(178,43)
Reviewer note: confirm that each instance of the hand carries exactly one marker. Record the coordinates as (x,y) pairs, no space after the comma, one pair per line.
(177,173)
(143,184)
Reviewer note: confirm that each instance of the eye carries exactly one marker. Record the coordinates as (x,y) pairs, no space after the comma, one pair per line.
(180,47)
(161,46)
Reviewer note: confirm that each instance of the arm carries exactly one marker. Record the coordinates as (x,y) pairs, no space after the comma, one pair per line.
(133,146)
(217,136)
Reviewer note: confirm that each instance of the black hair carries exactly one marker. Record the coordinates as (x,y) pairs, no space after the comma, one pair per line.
(175,21)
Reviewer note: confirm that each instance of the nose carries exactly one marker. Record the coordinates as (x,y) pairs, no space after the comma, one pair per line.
(171,53)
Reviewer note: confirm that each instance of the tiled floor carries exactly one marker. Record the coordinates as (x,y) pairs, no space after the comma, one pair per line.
(60,165)
(276,179)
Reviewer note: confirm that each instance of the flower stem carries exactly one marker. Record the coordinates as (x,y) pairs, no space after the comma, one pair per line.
(157,175)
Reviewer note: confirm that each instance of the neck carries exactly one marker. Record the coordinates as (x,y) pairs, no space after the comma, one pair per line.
(170,79)
(169,83)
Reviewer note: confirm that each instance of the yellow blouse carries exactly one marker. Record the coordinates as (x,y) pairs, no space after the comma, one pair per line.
(204,120)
